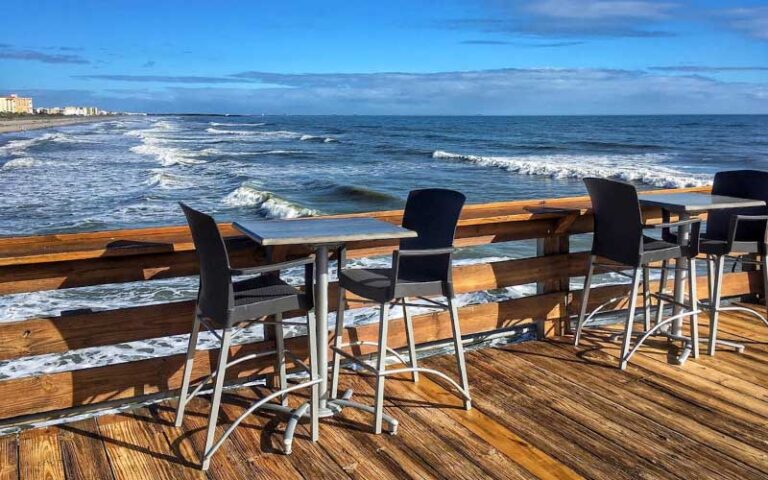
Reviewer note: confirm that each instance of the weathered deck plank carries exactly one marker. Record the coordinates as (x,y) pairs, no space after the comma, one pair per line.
(541,410)
(9,458)
(84,455)
(40,455)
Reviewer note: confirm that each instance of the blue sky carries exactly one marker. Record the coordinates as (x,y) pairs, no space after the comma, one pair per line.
(390,57)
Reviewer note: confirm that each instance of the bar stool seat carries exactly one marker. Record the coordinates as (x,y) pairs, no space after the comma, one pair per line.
(376,284)
(265,295)
(713,246)
(655,250)
(720,246)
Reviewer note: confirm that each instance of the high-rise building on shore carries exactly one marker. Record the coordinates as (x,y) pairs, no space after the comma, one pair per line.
(15,104)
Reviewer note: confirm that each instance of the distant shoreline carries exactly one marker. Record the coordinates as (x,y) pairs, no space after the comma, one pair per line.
(35,123)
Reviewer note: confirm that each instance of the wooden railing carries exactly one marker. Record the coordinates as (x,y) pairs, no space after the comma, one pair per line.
(60,261)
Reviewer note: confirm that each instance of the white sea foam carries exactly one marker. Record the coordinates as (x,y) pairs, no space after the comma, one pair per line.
(18,147)
(22,162)
(255,152)
(159,177)
(256,134)
(642,168)
(167,156)
(267,203)
(218,124)
(316,138)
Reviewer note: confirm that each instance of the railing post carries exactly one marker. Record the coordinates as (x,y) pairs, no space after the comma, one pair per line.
(556,323)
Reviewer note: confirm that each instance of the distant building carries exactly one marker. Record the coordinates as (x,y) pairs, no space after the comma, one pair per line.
(15,104)
(78,111)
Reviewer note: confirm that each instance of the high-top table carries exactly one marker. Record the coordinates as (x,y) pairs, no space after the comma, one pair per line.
(686,205)
(320,234)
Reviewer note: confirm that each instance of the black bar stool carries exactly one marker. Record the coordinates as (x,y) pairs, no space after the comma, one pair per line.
(420,268)
(739,234)
(618,237)
(224,305)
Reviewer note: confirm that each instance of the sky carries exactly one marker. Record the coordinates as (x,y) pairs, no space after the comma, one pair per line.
(390,57)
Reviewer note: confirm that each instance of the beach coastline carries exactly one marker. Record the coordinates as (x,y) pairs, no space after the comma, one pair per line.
(12,125)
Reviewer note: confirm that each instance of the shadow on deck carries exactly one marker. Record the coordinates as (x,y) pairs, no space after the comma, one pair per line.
(543,409)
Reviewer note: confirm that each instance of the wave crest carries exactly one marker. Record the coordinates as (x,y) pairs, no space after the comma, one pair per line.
(225,124)
(267,203)
(167,180)
(316,138)
(23,162)
(640,168)
(18,147)
(167,156)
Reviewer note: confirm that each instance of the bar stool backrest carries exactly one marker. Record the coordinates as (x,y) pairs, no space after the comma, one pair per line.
(752,184)
(215,297)
(618,221)
(433,213)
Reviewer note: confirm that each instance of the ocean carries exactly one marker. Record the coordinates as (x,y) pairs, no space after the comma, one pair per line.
(132,171)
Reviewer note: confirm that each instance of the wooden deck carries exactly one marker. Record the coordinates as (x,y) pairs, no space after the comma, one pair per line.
(543,409)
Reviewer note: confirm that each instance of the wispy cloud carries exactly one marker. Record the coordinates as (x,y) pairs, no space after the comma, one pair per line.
(752,21)
(575,18)
(163,78)
(602,10)
(8,52)
(503,91)
(536,91)
(707,69)
(522,44)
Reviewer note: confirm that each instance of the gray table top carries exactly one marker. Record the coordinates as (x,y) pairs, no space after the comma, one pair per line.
(320,231)
(692,202)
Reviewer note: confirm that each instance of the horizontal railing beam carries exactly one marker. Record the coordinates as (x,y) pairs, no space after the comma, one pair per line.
(92,329)
(57,391)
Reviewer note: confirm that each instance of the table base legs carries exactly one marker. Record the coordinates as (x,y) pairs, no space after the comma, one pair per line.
(333,407)
(687,347)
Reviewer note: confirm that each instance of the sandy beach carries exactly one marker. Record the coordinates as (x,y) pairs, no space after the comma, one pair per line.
(34,123)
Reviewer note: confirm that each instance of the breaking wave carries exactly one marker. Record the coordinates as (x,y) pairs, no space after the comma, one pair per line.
(219,124)
(167,156)
(267,203)
(22,162)
(166,180)
(640,168)
(315,138)
(18,147)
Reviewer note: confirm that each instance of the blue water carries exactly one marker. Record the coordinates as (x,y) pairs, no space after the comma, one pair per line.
(132,171)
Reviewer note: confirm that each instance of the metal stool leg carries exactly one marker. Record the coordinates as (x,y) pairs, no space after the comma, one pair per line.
(221,368)
(764,268)
(646,299)
(714,306)
(314,368)
(280,361)
(190,360)
(381,367)
(662,289)
(584,299)
(694,301)
(337,342)
(411,341)
(630,319)
(458,345)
